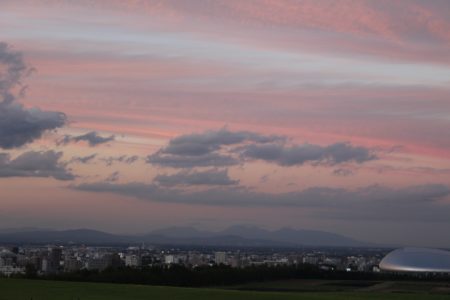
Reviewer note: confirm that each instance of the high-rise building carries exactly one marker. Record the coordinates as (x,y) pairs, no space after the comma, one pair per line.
(72,264)
(220,258)
(169,259)
(132,261)
(52,263)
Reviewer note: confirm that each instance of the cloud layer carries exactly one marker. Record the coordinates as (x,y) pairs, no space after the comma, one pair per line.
(186,178)
(225,148)
(336,81)
(284,155)
(83,159)
(12,71)
(92,138)
(127,159)
(210,141)
(20,125)
(413,203)
(35,164)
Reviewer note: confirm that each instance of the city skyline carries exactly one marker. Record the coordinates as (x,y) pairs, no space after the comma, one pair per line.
(130,116)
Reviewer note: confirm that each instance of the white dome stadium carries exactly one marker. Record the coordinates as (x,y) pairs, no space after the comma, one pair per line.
(421,260)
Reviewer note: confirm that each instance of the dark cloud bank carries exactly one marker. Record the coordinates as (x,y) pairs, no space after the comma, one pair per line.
(92,138)
(420,203)
(35,164)
(126,159)
(83,159)
(20,125)
(226,148)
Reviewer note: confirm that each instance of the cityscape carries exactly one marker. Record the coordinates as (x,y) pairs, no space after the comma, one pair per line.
(53,259)
(224,149)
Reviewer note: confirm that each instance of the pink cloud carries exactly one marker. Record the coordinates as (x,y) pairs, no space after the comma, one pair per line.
(395,30)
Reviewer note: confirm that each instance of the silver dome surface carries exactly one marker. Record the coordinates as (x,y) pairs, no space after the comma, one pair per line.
(417,260)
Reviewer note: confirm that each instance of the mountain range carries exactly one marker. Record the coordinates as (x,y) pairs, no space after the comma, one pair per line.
(239,235)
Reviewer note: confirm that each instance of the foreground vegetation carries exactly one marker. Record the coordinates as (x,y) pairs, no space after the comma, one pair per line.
(12,289)
(177,275)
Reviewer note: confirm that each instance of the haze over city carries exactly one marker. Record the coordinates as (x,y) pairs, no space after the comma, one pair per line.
(128,116)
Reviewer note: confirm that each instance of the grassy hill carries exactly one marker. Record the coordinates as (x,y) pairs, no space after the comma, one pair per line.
(12,289)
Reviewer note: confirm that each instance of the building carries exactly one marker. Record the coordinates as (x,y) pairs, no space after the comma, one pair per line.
(132,261)
(8,263)
(99,263)
(312,260)
(416,260)
(7,258)
(72,264)
(52,263)
(169,259)
(10,270)
(220,258)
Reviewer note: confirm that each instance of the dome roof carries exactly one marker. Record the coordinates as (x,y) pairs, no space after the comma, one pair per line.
(417,260)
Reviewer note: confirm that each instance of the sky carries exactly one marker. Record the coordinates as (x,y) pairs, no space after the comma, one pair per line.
(127,116)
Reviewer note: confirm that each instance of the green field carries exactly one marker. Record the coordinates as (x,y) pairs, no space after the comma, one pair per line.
(305,285)
(11,289)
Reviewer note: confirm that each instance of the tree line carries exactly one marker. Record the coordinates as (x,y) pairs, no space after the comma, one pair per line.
(218,275)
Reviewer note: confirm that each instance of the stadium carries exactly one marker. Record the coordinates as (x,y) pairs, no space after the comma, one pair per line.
(416,260)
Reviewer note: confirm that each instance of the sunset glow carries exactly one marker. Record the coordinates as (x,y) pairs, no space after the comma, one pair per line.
(126,116)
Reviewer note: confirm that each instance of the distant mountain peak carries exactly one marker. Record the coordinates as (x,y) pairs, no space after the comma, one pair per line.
(241,234)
